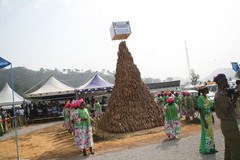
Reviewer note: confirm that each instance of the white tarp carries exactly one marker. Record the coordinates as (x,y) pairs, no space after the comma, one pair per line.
(52,87)
(6,97)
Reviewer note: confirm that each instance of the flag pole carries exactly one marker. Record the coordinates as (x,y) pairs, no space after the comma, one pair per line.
(14,112)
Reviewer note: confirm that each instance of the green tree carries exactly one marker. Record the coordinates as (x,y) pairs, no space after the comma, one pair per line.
(42,70)
(194,77)
(64,70)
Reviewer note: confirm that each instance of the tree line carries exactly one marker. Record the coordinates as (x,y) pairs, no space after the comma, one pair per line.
(24,78)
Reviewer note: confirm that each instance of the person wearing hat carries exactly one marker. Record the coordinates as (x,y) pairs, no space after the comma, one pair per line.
(224,108)
(72,111)
(207,145)
(177,100)
(83,128)
(172,122)
(165,97)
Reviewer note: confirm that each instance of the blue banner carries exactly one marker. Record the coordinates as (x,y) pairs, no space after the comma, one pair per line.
(3,63)
(235,66)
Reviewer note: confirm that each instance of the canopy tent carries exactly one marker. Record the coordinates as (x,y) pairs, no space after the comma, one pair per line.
(52,88)
(6,97)
(95,85)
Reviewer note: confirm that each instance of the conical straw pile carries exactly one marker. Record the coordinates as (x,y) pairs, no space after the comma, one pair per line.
(130,107)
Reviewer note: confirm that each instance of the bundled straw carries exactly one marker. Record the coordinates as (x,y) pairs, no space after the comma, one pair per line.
(131,106)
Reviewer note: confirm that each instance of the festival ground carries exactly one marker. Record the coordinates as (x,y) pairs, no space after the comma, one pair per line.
(56,143)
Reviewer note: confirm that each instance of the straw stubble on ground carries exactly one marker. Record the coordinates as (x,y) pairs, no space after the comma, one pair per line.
(54,142)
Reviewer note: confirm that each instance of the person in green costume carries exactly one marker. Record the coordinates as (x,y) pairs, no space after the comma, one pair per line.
(160,100)
(183,105)
(83,128)
(172,122)
(165,97)
(207,145)
(177,99)
(88,106)
(98,109)
(189,107)
(66,115)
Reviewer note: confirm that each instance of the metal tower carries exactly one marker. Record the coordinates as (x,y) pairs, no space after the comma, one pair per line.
(188,63)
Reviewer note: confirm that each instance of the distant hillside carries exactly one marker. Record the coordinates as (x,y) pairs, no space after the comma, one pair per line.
(24,78)
(229,72)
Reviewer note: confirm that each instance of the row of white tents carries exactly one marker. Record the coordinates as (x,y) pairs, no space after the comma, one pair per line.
(6,98)
(55,89)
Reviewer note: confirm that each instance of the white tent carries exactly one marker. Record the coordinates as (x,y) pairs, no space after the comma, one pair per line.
(6,97)
(52,87)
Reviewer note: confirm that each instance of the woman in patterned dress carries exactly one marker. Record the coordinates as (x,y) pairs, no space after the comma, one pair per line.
(66,114)
(189,107)
(83,128)
(172,122)
(207,145)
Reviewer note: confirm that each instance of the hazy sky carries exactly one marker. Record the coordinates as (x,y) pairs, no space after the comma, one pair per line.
(75,34)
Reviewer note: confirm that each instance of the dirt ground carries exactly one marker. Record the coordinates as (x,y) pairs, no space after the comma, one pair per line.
(56,143)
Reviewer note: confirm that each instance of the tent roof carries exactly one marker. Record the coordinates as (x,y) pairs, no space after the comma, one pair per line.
(51,87)
(96,83)
(6,97)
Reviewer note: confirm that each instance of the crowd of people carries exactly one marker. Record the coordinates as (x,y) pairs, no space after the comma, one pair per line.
(175,107)
(28,112)
(79,114)
(7,119)
(186,103)
(43,109)
(226,105)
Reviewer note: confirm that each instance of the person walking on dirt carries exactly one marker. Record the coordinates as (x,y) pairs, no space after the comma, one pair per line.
(83,128)
(172,122)
(205,104)
(66,115)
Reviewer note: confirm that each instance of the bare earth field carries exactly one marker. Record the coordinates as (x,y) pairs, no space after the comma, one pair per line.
(56,143)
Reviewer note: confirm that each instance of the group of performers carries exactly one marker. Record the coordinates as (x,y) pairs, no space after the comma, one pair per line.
(176,107)
(186,103)
(77,119)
